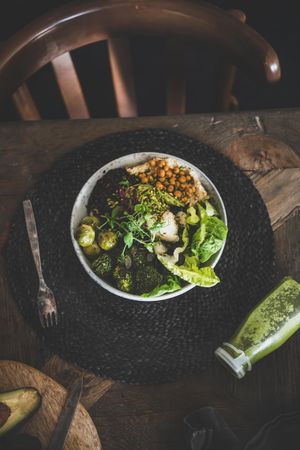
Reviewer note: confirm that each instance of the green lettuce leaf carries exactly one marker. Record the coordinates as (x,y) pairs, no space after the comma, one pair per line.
(202,213)
(200,233)
(172,284)
(208,239)
(190,272)
(192,218)
(210,210)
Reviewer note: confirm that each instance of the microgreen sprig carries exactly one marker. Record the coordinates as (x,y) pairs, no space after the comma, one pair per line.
(135,226)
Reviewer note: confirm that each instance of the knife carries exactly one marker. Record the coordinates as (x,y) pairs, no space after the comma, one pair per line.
(66,416)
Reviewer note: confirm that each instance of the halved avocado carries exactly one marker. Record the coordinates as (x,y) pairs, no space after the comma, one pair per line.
(17,406)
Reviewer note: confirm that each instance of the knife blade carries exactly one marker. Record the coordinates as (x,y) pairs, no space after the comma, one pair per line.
(66,416)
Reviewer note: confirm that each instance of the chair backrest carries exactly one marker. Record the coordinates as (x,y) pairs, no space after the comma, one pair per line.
(51,38)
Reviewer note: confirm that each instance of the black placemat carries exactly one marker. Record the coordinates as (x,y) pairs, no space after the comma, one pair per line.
(126,340)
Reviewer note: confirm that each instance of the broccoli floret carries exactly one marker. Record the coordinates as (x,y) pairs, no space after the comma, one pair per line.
(102,266)
(147,278)
(123,278)
(119,272)
(125,284)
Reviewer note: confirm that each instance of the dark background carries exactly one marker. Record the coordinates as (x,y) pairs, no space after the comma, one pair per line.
(277,21)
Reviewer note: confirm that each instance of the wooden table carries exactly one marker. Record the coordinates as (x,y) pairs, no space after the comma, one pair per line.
(266,145)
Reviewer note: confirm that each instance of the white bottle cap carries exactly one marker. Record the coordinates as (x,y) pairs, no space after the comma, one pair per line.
(237,365)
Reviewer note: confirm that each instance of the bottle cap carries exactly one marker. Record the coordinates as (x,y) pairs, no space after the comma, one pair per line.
(239,365)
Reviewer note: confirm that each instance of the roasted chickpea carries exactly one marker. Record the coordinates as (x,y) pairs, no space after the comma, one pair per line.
(177,184)
(184,199)
(172,180)
(162,173)
(152,163)
(162,179)
(162,163)
(176,169)
(181,172)
(183,185)
(159,185)
(171,188)
(178,194)
(188,177)
(182,179)
(169,173)
(145,180)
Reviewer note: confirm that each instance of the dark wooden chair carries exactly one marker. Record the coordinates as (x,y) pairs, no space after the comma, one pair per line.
(50,38)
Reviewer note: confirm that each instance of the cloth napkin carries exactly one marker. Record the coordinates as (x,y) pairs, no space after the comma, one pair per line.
(207,430)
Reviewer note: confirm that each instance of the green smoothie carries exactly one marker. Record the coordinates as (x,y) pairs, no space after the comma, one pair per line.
(264,329)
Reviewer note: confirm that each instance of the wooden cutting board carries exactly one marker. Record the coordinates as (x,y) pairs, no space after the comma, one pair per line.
(82,435)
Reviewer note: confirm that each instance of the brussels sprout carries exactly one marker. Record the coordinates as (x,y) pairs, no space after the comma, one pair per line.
(91,220)
(147,278)
(92,251)
(107,239)
(102,266)
(85,235)
(125,283)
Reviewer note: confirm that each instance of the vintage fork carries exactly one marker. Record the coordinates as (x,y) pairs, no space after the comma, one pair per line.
(45,298)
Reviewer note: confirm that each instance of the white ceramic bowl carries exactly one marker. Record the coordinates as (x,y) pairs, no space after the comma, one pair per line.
(80,210)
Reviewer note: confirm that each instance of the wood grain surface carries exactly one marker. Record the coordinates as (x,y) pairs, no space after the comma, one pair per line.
(82,434)
(280,189)
(266,145)
(66,373)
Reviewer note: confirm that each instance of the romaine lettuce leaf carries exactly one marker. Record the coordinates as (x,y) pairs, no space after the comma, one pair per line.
(172,284)
(210,236)
(192,218)
(190,272)
(198,237)
(210,210)
(208,239)
(202,213)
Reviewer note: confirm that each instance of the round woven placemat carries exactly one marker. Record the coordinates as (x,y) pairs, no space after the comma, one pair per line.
(122,339)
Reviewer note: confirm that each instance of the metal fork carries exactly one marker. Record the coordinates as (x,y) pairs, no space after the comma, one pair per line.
(45,298)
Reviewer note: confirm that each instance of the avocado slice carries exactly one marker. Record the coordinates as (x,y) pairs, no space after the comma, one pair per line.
(17,406)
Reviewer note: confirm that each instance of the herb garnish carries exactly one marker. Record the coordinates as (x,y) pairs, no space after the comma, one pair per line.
(135,226)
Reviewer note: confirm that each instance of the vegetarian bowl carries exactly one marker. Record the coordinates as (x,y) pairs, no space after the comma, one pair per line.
(149,226)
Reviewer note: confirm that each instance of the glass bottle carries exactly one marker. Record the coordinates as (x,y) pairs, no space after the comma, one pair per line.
(268,325)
